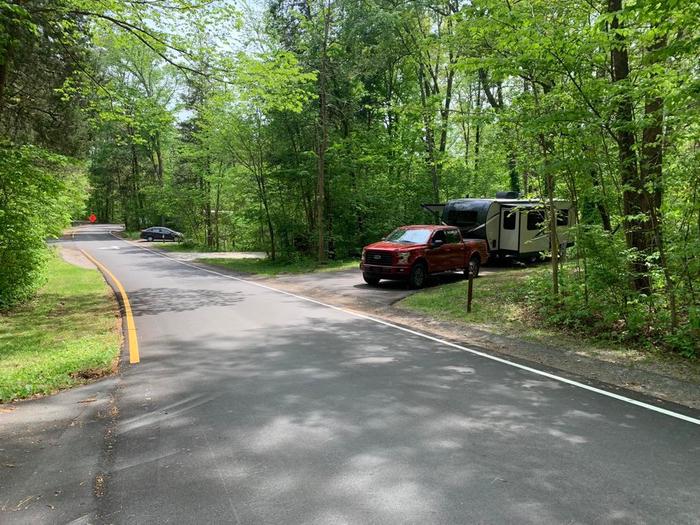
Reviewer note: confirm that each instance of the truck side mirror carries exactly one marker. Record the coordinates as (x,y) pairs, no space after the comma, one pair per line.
(436,243)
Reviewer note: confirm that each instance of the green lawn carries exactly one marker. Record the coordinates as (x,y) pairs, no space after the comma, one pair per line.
(66,335)
(496,302)
(272,268)
(499,306)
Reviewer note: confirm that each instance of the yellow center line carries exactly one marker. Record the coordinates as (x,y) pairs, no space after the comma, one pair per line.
(130,325)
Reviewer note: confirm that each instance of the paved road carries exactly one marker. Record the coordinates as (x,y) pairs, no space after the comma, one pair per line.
(347,287)
(251,406)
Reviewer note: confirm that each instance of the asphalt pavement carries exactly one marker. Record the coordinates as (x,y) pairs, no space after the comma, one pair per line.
(254,406)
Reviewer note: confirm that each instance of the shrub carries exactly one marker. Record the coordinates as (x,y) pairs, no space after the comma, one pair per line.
(37,196)
(596,298)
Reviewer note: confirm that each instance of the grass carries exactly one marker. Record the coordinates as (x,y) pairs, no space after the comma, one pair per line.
(496,303)
(273,268)
(181,247)
(65,336)
(130,235)
(499,306)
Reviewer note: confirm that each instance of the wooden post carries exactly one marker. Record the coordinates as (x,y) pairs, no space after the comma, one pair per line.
(470,290)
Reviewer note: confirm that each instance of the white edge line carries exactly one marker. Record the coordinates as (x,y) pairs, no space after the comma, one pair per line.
(432,338)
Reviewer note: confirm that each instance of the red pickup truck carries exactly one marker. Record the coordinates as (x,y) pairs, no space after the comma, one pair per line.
(413,252)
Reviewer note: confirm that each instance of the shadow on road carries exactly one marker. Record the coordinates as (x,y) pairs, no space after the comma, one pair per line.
(332,420)
(154,301)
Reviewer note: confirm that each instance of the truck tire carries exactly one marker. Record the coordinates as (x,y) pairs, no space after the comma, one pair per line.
(473,267)
(370,279)
(418,275)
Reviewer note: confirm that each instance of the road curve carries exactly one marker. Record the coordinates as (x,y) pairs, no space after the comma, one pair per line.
(252,406)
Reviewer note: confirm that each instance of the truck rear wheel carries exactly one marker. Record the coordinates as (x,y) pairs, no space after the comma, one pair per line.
(418,275)
(473,267)
(370,279)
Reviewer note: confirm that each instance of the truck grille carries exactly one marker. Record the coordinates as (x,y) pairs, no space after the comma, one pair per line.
(378,257)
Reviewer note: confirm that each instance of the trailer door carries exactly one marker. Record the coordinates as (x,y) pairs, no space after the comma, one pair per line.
(510,229)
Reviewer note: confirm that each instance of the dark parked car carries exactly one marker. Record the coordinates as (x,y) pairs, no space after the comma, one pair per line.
(159,233)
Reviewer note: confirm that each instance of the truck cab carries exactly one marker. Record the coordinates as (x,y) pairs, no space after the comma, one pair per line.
(412,253)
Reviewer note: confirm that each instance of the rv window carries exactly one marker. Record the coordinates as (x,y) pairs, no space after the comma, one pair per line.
(509,219)
(562,217)
(462,218)
(535,220)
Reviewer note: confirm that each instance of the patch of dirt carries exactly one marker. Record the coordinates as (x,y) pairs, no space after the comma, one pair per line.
(91,374)
(99,488)
(665,379)
(75,257)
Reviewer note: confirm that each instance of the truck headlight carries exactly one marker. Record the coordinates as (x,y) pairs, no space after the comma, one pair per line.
(403,257)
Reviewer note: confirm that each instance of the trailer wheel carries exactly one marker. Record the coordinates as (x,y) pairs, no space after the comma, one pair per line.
(419,274)
(370,279)
(473,267)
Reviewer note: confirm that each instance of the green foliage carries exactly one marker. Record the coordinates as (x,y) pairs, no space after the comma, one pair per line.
(596,300)
(38,193)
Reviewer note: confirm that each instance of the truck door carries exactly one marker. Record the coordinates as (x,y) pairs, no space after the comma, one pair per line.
(438,257)
(455,257)
(510,229)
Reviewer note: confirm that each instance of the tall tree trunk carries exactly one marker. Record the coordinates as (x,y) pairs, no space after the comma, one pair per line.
(477,135)
(633,206)
(652,176)
(547,149)
(553,236)
(323,140)
(599,203)
(159,159)
(4,70)
(268,219)
(429,132)
(465,124)
(132,185)
(445,110)
(208,222)
(217,207)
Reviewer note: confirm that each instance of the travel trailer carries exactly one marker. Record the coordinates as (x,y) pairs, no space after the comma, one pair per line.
(512,227)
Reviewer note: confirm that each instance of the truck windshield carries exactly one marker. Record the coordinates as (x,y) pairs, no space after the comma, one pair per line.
(409,236)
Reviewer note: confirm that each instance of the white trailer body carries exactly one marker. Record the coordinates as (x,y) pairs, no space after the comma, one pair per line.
(511,227)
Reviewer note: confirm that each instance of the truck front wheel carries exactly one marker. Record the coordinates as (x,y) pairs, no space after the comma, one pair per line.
(370,279)
(473,267)
(418,275)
